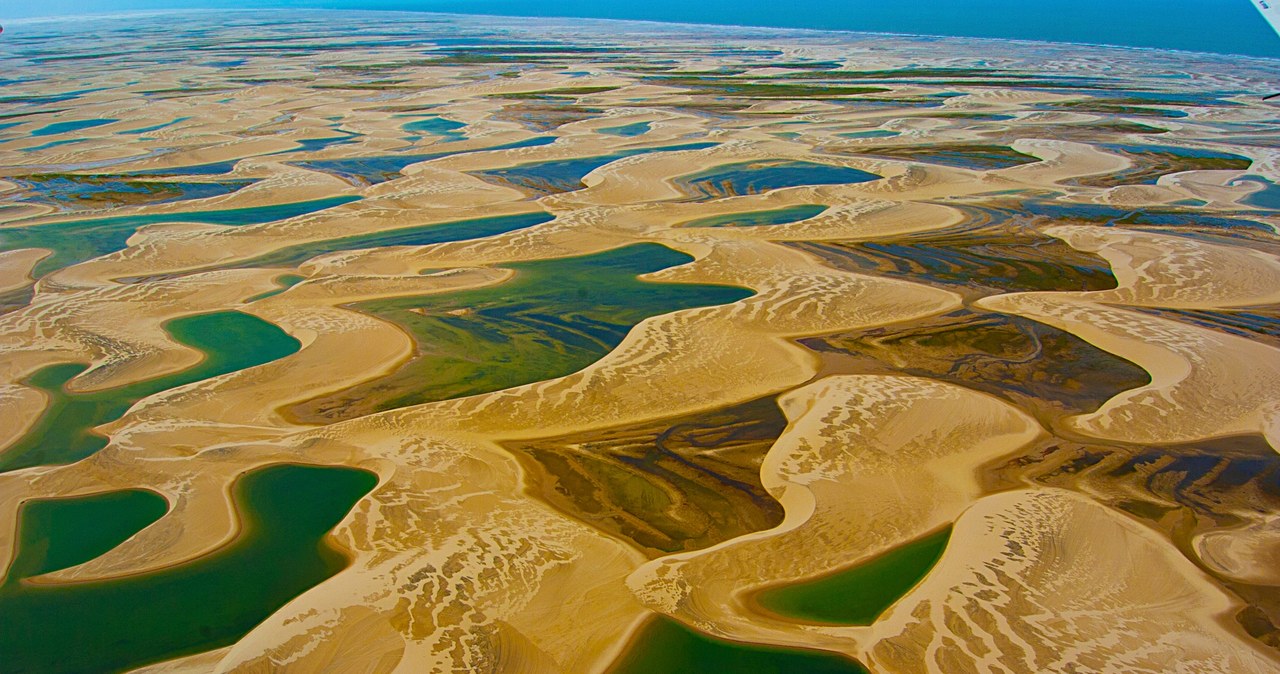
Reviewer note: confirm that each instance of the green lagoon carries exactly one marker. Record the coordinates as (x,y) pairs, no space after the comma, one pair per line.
(75,241)
(665,646)
(554,318)
(101,521)
(206,603)
(858,596)
(230,340)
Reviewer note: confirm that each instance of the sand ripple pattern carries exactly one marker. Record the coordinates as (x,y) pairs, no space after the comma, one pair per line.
(456,564)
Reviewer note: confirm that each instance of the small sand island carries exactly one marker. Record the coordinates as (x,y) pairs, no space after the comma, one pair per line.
(437,344)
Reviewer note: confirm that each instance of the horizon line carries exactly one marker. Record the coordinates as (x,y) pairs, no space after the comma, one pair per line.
(847,31)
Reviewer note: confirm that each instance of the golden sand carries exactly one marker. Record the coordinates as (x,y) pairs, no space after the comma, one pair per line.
(458,566)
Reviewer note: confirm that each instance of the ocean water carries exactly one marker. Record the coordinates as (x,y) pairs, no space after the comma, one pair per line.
(1222,26)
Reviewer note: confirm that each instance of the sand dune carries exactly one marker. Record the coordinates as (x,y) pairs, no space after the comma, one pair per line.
(457,563)
(914,444)
(1048,581)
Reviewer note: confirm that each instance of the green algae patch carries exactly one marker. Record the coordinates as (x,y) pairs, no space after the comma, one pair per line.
(229,340)
(101,522)
(974,157)
(755,89)
(859,595)
(779,216)
(114,191)
(666,485)
(287,511)
(553,318)
(664,646)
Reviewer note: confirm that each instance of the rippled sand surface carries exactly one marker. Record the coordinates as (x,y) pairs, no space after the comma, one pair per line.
(633,323)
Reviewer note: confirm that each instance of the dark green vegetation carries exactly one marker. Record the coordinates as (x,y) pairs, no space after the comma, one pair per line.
(857,596)
(665,646)
(1152,161)
(555,317)
(565,175)
(69,190)
(1122,126)
(973,157)
(517,55)
(761,176)
(1187,222)
(75,241)
(16,299)
(377,85)
(569,92)
(906,74)
(980,260)
(113,625)
(1261,324)
(101,522)
(665,486)
(374,170)
(1048,372)
(546,114)
(954,76)
(779,216)
(230,341)
(1127,107)
(406,236)
(885,103)
(1104,130)
(626,130)
(1179,490)
(722,86)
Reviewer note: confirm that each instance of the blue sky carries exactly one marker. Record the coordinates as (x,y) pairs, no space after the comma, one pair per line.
(1225,26)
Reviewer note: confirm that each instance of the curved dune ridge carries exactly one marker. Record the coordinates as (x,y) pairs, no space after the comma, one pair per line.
(863,240)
